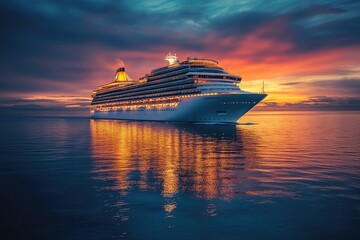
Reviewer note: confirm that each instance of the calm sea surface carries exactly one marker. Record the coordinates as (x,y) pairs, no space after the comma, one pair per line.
(290,175)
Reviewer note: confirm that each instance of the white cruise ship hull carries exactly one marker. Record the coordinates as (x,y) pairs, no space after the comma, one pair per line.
(221,108)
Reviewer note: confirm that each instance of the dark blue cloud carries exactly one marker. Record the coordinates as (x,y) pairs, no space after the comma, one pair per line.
(45,43)
(317,103)
(43,107)
(290,83)
(343,86)
(329,103)
(346,85)
(309,29)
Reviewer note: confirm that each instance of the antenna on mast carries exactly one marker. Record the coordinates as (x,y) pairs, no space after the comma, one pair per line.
(263,88)
(171,58)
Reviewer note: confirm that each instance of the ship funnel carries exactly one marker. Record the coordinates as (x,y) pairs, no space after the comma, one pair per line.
(121,75)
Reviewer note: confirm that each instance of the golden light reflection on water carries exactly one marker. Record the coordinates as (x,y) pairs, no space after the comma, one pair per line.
(205,160)
(282,155)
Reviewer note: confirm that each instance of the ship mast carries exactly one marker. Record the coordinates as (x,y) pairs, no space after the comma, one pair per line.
(171,58)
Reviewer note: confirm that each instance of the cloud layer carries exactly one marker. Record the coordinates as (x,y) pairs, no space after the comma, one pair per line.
(57,48)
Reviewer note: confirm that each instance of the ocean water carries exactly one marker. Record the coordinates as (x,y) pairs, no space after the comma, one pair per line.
(276,175)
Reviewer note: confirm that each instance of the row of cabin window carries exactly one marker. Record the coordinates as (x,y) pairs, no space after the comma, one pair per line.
(177,72)
(237,102)
(147,110)
(215,76)
(169,89)
(216,89)
(148,88)
(173,78)
(145,85)
(171,73)
(158,71)
(181,67)
(152,96)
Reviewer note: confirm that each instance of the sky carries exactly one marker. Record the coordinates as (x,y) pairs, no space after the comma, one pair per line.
(54,53)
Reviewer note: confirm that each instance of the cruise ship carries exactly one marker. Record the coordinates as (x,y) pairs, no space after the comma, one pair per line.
(195,90)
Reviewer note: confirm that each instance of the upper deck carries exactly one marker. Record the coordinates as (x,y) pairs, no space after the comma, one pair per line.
(189,62)
(175,71)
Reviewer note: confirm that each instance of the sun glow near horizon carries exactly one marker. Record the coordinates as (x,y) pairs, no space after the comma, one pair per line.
(305,52)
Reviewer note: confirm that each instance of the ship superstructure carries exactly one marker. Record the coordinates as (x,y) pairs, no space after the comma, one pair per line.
(195,90)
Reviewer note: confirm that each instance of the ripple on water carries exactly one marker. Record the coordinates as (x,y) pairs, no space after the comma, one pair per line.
(271,176)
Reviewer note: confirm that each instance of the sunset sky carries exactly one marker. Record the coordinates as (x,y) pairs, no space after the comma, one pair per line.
(54,53)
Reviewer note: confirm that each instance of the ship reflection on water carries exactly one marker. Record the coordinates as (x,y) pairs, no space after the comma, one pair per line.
(275,178)
(287,176)
(206,161)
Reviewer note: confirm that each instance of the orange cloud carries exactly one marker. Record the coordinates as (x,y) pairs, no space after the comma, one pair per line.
(275,70)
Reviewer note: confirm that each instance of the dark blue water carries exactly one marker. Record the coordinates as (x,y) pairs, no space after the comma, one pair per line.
(275,176)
